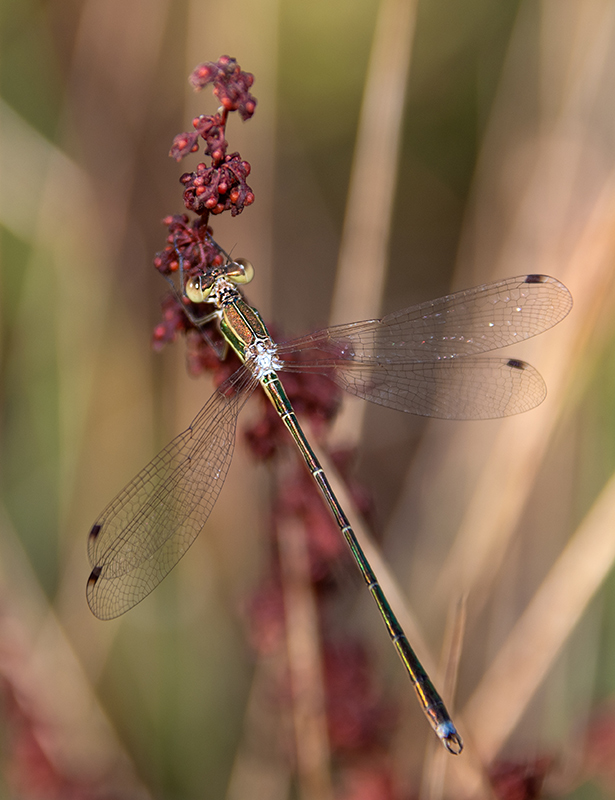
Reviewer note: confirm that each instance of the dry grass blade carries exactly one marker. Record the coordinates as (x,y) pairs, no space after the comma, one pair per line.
(260,769)
(305,664)
(65,193)
(509,472)
(365,237)
(41,671)
(544,202)
(582,254)
(525,658)
(116,63)
(436,761)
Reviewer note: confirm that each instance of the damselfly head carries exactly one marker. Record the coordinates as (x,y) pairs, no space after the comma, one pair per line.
(240,271)
(198,289)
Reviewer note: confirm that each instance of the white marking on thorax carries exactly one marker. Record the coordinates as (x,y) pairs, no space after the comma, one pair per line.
(263,358)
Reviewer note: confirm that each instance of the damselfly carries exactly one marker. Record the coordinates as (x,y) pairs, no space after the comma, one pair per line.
(423,360)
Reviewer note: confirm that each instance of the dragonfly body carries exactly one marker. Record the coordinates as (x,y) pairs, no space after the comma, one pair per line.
(423,360)
(245,331)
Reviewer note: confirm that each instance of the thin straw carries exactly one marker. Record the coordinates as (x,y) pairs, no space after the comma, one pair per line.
(523,661)
(362,262)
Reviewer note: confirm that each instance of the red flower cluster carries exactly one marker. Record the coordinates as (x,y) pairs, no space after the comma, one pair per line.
(222,185)
(231,85)
(218,188)
(209,128)
(192,242)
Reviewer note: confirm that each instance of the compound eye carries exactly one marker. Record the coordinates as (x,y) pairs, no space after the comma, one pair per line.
(197,290)
(240,271)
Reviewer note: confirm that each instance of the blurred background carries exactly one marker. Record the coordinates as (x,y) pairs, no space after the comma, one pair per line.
(398,151)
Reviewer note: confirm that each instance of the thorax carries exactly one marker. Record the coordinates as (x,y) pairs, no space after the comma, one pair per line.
(244,330)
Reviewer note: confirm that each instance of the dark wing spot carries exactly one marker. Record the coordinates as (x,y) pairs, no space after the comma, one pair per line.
(514,363)
(535,279)
(94,576)
(95,531)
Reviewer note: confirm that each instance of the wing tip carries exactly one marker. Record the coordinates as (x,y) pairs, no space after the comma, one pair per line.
(94,576)
(91,583)
(562,302)
(93,535)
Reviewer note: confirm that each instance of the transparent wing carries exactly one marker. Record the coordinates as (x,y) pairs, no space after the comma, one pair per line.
(465,323)
(423,359)
(471,388)
(148,527)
